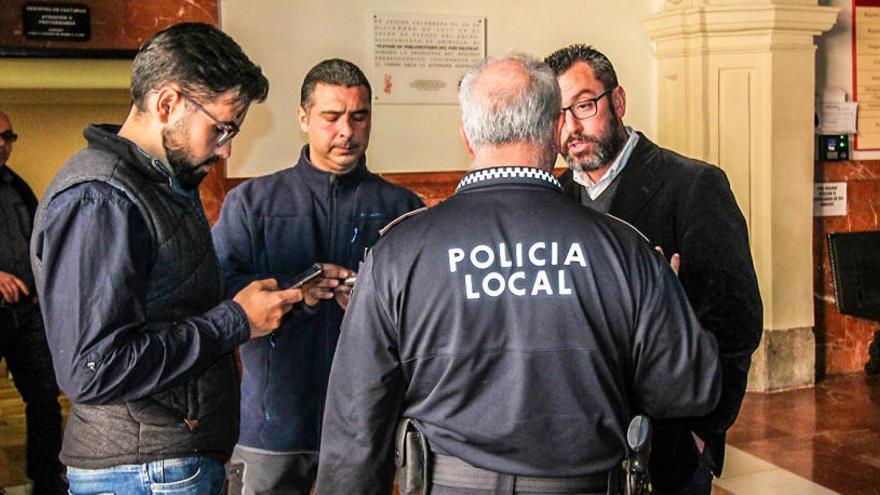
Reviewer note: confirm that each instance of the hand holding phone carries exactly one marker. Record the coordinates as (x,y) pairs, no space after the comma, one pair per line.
(265,305)
(314,271)
(327,281)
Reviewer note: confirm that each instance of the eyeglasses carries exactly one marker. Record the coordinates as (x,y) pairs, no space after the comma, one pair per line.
(586,108)
(9,136)
(227,130)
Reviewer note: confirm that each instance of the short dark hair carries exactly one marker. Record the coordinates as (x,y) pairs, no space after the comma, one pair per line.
(335,72)
(561,60)
(202,59)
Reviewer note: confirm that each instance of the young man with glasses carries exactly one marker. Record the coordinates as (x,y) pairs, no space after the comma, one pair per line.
(131,292)
(685,207)
(22,338)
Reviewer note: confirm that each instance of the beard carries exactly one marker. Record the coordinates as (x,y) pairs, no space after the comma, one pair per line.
(188,173)
(606,146)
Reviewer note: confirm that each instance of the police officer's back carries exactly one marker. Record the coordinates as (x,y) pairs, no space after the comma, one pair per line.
(518,343)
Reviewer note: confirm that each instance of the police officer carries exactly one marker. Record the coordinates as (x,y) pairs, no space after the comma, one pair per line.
(518,344)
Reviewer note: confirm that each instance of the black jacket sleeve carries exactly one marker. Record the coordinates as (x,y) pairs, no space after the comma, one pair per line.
(364,398)
(675,361)
(95,253)
(719,278)
(25,191)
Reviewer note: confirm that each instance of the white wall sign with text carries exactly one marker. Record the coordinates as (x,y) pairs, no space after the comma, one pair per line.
(829,199)
(419,58)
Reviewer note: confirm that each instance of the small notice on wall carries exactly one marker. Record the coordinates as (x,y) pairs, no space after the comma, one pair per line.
(829,199)
(836,117)
(419,58)
(56,21)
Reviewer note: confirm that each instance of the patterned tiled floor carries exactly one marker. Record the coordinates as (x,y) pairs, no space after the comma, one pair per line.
(12,430)
(815,441)
(828,434)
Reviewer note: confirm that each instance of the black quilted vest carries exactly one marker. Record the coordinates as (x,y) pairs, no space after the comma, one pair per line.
(200,416)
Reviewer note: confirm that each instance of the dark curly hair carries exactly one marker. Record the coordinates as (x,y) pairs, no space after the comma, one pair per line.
(202,59)
(335,72)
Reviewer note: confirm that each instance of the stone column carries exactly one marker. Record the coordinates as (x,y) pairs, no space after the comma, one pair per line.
(736,89)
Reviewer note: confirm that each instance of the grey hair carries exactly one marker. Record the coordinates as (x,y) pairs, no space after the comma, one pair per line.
(516,113)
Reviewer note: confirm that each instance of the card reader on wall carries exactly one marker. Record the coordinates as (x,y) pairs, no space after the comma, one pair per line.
(831,147)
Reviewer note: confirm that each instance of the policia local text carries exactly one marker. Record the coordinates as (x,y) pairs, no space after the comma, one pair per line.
(533,280)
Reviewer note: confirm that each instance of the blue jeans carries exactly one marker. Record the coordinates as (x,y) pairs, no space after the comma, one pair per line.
(181,476)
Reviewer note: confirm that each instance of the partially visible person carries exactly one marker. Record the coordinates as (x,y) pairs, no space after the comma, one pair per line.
(517,344)
(130,286)
(328,208)
(686,208)
(22,338)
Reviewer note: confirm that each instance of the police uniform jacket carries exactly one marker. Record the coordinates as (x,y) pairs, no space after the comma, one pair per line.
(275,227)
(686,206)
(519,330)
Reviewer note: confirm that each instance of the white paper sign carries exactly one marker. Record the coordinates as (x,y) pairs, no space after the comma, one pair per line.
(419,58)
(837,118)
(829,199)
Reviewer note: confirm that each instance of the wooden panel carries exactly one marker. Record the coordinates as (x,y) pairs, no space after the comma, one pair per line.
(672,108)
(115,24)
(432,187)
(734,133)
(214,189)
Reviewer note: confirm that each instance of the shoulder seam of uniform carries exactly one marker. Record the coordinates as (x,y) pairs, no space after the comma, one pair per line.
(384,230)
(630,226)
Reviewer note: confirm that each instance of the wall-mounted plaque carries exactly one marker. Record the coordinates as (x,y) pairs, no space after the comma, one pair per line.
(419,58)
(56,21)
(91,28)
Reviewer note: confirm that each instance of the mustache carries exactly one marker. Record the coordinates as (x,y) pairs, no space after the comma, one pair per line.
(581,137)
(214,160)
(346,144)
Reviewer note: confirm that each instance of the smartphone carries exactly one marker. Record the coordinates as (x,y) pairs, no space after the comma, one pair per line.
(303,278)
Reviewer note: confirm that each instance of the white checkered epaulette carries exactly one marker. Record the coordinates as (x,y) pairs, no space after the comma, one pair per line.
(507,172)
(384,230)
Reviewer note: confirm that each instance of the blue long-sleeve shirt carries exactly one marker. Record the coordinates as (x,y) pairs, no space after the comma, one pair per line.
(96,254)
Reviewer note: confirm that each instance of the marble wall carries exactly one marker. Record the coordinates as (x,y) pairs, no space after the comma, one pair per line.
(842,341)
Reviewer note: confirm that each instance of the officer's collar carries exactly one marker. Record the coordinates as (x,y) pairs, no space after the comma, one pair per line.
(507,175)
